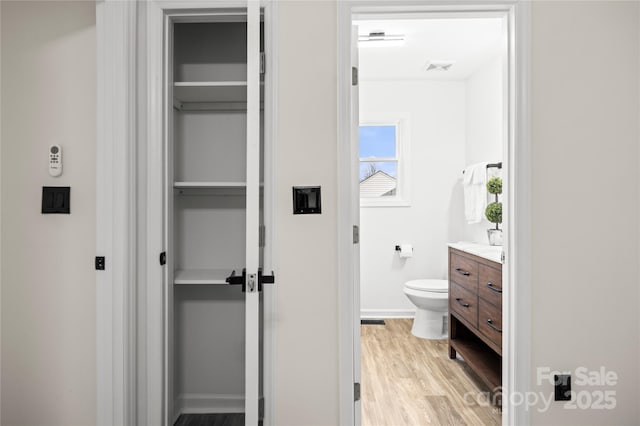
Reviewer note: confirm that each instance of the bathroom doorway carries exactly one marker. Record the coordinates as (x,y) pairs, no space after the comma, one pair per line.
(426,124)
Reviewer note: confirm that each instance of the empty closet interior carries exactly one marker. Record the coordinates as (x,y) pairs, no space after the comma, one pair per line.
(206,202)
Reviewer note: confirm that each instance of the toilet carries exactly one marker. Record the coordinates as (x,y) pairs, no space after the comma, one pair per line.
(431,298)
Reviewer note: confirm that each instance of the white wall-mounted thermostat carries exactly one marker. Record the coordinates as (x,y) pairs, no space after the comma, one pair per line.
(55,160)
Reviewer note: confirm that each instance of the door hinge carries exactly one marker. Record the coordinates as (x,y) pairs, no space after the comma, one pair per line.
(354,76)
(356,234)
(261,235)
(263,64)
(502,256)
(356,392)
(163,258)
(100,261)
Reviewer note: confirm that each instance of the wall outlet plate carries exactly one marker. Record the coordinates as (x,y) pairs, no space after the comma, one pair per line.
(562,388)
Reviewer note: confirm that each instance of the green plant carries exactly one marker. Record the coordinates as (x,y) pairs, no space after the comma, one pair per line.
(494,185)
(493,212)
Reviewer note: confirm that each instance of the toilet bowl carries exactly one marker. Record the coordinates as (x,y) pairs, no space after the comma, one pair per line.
(431,298)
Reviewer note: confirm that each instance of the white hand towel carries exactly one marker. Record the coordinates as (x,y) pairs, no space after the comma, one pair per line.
(475,193)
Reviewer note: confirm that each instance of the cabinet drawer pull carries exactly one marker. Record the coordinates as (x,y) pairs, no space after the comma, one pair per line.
(464,305)
(463,272)
(490,323)
(491,287)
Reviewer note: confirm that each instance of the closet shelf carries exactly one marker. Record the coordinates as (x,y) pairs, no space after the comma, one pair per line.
(211,92)
(201,276)
(208,185)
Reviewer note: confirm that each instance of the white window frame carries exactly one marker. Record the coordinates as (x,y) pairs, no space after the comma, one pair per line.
(403,158)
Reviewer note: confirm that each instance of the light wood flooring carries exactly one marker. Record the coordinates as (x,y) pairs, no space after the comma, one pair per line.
(411,381)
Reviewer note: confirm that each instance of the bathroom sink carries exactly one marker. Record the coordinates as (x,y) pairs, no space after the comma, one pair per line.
(486,251)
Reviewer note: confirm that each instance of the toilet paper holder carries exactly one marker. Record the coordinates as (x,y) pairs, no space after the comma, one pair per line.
(404,250)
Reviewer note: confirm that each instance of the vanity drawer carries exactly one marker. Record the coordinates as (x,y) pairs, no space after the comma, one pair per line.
(490,321)
(464,272)
(464,303)
(490,284)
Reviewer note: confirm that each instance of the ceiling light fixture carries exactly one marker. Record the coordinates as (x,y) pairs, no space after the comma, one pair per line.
(380,39)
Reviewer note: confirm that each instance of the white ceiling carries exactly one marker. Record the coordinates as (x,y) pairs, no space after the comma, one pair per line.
(469,43)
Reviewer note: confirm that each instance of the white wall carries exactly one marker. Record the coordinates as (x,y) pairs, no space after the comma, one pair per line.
(585,289)
(435,112)
(48,281)
(306,327)
(485,129)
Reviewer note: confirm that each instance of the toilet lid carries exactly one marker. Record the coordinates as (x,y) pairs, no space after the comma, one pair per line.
(436,286)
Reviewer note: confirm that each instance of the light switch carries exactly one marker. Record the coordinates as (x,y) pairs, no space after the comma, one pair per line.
(307,200)
(56,199)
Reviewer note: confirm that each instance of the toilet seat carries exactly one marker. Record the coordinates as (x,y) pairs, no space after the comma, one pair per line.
(435,286)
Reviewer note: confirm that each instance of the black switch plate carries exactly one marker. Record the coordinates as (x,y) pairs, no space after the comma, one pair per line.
(562,391)
(307,200)
(56,199)
(100,263)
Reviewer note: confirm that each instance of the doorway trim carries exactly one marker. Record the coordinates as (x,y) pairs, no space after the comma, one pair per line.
(116,212)
(516,364)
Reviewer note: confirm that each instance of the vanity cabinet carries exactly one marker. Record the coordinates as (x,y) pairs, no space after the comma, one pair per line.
(475,314)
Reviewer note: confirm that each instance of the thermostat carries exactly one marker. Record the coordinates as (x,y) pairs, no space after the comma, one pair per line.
(55,160)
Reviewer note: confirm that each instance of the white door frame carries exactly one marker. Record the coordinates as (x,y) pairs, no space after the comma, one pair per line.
(116,212)
(129,313)
(517,225)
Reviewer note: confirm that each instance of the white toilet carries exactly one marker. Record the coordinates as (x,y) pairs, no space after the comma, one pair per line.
(431,298)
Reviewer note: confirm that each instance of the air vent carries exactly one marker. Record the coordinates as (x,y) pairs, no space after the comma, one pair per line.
(380,39)
(439,65)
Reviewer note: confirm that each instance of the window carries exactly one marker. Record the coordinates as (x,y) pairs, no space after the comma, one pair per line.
(380,165)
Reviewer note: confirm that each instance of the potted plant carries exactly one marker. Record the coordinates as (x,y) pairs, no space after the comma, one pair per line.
(493,212)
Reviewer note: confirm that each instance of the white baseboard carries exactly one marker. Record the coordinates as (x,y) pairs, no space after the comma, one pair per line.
(200,403)
(387,313)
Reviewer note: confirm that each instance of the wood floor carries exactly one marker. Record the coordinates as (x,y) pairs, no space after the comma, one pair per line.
(411,381)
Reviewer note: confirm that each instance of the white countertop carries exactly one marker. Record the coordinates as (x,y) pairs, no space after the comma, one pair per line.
(493,253)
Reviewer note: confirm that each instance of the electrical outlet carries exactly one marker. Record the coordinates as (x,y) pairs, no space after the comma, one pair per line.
(562,387)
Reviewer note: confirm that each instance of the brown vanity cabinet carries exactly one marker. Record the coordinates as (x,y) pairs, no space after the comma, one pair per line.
(475,314)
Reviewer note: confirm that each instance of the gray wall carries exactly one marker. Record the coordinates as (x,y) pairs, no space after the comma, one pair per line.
(585,200)
(306,327)
(48,282)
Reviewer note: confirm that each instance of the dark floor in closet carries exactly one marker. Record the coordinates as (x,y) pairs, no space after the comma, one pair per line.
(372,322)
(224,419)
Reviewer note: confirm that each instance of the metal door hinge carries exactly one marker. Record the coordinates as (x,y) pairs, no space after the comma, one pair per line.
(354,76)
(263,64)
(163,258)
(502,256)
(261,235)
(100,262)
(356,391)
(356,234)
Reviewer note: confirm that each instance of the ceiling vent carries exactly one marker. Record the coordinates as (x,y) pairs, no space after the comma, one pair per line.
(439,65)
